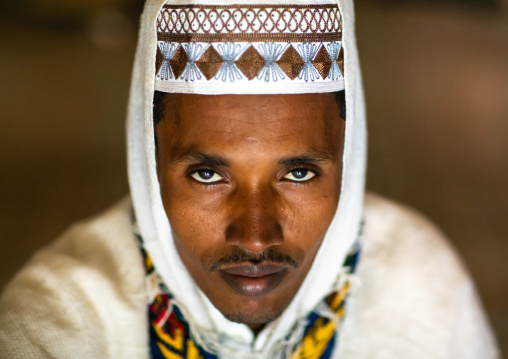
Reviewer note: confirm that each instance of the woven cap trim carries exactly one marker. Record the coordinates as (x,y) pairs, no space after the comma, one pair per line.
(251,23)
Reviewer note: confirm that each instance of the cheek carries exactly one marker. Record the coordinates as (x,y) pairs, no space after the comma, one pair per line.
(308,214)
(197,220)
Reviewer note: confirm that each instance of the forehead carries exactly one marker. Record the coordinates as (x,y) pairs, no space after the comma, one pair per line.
(299,122)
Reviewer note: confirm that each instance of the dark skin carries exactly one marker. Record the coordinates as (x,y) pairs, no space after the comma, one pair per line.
(250,185)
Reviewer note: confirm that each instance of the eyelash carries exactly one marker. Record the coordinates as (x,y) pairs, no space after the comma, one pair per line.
(210,185)
(300,183)
(207,184)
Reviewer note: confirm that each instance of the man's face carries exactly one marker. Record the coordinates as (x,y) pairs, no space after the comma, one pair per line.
(250,184)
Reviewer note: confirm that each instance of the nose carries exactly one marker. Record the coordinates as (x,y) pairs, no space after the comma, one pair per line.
(254,225)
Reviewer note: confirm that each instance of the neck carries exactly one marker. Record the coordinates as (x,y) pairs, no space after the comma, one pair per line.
(256,328)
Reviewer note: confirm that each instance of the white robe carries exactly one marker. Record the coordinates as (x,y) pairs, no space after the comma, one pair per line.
(84,296)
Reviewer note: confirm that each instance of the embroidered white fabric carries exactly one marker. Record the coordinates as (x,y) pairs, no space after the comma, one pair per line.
(156,230)
(270,79)
(287,44)
(206,19)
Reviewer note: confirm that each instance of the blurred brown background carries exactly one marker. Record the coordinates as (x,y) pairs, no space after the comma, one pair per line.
(436,80)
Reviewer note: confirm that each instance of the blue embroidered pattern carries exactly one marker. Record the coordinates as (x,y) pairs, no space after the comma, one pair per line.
(168,50)
(191,71)
(228,52)
(270,53)
(308,52)
(333,50)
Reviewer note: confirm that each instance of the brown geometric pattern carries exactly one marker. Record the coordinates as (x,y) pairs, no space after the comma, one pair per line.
(291,62)
(250,63)
(322,62)
(249,23)
(209,63)
(178,61)
(159,58)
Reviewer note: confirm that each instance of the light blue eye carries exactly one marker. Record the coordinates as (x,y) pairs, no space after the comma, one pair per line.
(299,175)
(206,176)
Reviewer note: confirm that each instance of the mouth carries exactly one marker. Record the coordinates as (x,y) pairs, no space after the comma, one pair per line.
(249,279)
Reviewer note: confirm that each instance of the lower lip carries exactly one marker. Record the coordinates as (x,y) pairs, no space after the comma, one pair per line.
(253,286)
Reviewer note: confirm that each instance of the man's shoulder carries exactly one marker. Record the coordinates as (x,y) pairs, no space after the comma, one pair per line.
(102,241)
(71,290)
(407,255)
(103,244)
(414,298)
(400,237)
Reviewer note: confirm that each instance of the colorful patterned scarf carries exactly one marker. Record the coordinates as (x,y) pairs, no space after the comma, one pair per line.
(171,337)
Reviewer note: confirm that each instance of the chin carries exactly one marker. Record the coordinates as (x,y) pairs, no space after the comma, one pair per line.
(253,318)
(252,311)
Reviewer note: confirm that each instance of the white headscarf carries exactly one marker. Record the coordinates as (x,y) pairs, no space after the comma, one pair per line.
(206,322)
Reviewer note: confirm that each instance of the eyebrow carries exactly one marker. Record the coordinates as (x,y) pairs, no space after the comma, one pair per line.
(314,158)
(196,156)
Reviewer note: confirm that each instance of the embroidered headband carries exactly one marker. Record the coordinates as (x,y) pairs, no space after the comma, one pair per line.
(250,48)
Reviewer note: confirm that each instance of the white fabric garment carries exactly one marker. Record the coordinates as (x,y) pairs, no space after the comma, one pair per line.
(84,296)
(203,317)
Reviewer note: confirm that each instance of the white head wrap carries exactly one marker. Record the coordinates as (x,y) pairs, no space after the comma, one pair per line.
(156,67)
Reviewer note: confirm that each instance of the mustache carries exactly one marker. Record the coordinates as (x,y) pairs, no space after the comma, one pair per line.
(243,255)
